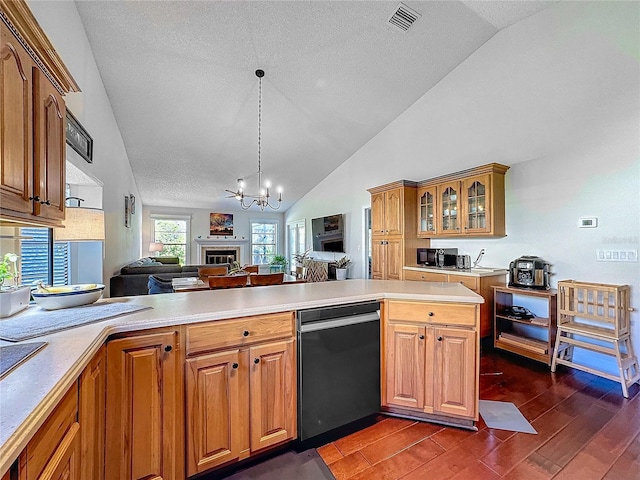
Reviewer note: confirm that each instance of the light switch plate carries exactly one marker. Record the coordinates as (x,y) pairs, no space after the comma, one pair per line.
(588,222)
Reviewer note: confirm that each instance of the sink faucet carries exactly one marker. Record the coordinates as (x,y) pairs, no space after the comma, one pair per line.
(478,258)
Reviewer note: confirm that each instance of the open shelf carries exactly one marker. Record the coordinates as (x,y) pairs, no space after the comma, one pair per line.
(531,337)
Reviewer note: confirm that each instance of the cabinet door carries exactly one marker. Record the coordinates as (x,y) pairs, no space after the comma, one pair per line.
(394,259)
(16,148)
(378,258)
(405,365)
(449,209)
(427,214)
(272,394)
(377,213)
(477,201)
(91,417)
(455,371)
(394,209)
(49,144)
(142,408)
(65,463)
(217,413)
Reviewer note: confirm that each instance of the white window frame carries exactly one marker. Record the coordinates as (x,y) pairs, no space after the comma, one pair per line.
(293,246)
(161,216)
(271,221)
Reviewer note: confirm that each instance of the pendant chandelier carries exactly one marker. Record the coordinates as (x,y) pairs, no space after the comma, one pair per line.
(263,198)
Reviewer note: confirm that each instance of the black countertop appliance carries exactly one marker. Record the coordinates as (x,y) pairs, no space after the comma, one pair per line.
(529,271)
(437,257)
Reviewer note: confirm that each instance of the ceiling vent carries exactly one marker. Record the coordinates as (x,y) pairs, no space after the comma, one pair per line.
(403,17)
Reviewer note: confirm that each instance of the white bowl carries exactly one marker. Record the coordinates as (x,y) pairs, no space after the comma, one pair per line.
(72,298)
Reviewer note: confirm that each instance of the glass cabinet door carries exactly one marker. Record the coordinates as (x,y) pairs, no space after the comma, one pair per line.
(449,218)
(477,204)
(427,210)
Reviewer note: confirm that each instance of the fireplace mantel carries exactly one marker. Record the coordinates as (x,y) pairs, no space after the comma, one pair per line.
(220,241)
(206,245)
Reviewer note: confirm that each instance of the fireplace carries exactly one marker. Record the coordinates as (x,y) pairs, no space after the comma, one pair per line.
(222,255)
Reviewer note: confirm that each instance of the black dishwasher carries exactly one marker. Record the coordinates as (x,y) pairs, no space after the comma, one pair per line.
(338,367)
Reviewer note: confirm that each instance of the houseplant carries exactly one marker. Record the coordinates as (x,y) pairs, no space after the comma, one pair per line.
(342,266)
(278,264)
(300,259)
(14,297)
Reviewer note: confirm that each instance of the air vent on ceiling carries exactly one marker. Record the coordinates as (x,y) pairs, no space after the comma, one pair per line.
(403,17)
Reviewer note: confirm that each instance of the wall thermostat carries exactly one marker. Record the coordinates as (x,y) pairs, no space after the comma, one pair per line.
(588,222)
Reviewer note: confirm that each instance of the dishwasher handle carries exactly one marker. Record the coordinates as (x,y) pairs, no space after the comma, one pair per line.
(340,322)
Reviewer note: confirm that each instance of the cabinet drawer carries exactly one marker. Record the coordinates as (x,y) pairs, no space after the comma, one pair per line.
(441,313)
(238,331)
(471,283)
(424,276)
(47,439)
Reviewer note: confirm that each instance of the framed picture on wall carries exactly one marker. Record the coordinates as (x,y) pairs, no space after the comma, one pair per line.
(127,212)
(78,138)
(221,224)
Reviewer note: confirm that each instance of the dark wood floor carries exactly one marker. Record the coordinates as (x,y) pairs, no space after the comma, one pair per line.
(586,430)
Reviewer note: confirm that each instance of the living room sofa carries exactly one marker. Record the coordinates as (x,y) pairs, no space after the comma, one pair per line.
(134,277)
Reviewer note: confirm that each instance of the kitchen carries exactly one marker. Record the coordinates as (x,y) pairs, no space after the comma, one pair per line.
(563,174)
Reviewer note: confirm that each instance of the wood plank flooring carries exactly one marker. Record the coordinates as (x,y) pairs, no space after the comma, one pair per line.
(586,430)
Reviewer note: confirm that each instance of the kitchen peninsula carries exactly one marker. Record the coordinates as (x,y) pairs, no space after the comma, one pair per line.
(30,394)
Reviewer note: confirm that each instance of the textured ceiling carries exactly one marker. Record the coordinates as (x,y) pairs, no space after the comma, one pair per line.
(180,78)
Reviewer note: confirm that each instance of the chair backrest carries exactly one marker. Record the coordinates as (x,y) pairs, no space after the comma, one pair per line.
(227,281)
(204,272)
(251,268)
(258,279)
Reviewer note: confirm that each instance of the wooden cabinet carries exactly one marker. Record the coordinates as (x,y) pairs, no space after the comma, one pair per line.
(531,337)
(143,408)
(54,451)
(393,221)
(431,361)
(467,203)
(482,285)
(240,388)
(32,120)
(91,416)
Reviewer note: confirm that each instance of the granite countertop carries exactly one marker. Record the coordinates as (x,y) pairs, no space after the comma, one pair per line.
(30,392)
(470,272)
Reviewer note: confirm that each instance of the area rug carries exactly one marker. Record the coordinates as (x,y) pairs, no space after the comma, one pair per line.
(291,465)
(504,416)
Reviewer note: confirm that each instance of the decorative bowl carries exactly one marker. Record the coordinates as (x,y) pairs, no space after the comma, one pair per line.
(67,296)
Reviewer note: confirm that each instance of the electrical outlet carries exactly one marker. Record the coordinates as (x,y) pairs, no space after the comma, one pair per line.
(624,255)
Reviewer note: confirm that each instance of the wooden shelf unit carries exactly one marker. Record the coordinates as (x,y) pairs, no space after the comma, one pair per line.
(533,338)
(596,317)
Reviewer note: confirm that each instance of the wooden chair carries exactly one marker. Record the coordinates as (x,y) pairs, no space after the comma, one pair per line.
(204,272)
(227,281)
(259,279)
(251,268)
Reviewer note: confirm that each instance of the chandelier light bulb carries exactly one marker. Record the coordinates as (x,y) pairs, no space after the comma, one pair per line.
(267,184)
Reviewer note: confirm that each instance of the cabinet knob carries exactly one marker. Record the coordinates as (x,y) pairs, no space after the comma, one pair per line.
(168,348)
(421,337)
(430,314)
(245,333)
(45,202)
(256,361)
(235,365)
(36,198)
(439,339)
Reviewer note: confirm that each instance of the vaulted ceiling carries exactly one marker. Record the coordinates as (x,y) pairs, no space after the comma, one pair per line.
(181,82)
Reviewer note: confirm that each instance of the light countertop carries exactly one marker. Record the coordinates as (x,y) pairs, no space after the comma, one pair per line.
(471,272)
(30,392)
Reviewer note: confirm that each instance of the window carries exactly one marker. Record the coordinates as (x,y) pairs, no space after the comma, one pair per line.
(36,250)
(264,242)
(173,233)
(295,240)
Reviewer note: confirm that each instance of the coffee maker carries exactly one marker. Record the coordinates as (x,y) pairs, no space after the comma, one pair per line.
(529,271)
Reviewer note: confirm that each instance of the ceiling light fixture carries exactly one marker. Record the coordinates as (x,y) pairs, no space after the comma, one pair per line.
(262,198)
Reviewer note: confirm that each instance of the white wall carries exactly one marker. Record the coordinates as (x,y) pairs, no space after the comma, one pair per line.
(200,228)
(556,96)
(61,22)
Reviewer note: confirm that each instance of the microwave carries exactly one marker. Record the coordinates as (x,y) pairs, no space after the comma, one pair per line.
(437,257)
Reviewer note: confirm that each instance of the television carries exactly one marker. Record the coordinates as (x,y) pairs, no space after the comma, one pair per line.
(328,233)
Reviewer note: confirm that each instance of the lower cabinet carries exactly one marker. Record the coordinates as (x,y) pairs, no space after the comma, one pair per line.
(143,408)
(91,415)
(430,360)
(239,400)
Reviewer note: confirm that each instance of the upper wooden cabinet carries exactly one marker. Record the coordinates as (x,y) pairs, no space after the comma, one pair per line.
(393,221)
(467,203)
(32,120)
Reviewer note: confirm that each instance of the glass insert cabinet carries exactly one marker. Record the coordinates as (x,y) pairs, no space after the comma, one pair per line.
(464,203)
